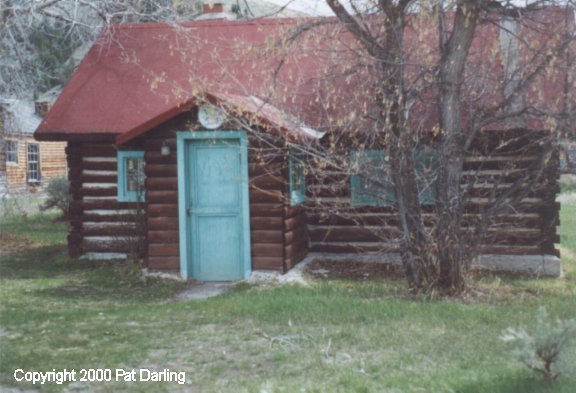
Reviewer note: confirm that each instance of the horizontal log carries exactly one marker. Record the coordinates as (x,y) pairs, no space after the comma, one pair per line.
(162,250)
(267,250)
(265,209)
(516,236)
(510,250)
(272,263)
(110,204)
(370,219)
(97,192)
(498,163)
(161,184)
(265,223)
(339,248)
(296,235)
(353,234)
(265,196)
(162,223)
(491,192)
(266,158)
(162,197)
(291,250)
(267,182)
(162,210)
(163,236)
(113,231)
(392,219)
(99,165)
(267,236)
(156,170)
(87,217)
(163,263)
(98,179)
(524,206)
(255,170)
(295,222)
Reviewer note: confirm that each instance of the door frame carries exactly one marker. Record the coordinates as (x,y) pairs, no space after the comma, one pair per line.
(183,138)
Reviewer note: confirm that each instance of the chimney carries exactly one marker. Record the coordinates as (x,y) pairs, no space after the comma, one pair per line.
(213,8)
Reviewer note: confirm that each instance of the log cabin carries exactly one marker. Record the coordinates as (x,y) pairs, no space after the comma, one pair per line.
(182,147)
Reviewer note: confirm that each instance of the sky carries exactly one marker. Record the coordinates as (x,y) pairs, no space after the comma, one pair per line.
(319,7)
(312,7)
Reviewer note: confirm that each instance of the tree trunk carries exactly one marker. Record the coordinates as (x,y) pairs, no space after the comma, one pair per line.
(449,204)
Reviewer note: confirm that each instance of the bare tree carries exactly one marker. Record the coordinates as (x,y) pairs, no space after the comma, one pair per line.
(439,258)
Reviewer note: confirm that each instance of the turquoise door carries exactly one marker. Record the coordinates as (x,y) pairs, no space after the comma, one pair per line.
(214,206)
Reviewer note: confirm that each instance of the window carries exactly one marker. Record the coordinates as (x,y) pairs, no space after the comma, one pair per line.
(33,156)
(130,176)
(371,183)
(426,162)
(297,177)
(11,152)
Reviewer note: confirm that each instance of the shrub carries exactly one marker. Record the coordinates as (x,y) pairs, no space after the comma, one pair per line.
(59,197)
(544,351)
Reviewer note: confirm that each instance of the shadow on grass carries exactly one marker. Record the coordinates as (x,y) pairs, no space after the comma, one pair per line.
(40,262)
(520,383)
(93,281)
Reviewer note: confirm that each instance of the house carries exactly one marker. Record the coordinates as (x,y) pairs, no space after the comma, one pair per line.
(186,137)
(26,165)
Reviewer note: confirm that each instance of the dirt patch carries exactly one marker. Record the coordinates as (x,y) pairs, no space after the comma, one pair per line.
(13,244)
(353,270)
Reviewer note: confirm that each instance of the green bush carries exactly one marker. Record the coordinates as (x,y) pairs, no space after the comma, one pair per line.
(59,197)
(544,350)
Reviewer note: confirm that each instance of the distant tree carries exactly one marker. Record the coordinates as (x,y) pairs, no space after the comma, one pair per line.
(37,37)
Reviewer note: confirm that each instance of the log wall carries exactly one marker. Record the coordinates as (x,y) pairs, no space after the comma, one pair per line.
(99,224)
(162,201)
(277,232)
(524,227)
(296,237)
(266,170)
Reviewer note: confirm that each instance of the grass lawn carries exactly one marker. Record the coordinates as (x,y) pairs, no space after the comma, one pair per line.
(338,336)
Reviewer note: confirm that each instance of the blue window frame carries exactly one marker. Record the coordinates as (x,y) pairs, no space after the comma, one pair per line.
(297,175)
(371,183)
(131,176)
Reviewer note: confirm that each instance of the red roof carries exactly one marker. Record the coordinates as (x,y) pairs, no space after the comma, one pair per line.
(137,76)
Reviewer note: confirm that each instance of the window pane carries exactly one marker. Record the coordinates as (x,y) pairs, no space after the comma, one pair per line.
(371,183)
(297,177)
(134,174)
(131,184)
(11,151)
(33,162)
(426,162)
